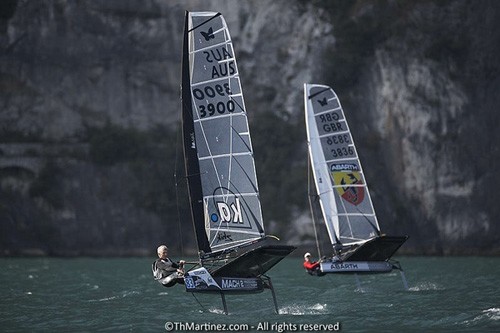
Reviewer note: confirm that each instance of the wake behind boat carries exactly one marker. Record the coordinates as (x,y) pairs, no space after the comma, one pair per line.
(346,206)
(234,251)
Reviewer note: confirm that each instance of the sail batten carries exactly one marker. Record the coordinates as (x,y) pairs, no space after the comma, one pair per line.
(327,110)
(337,160)
(224,198)
(223,155)
(212,16)
(354,214)
(215,117)
(350,185)
(216,80)
(340,182)
(225,195)
(328,134)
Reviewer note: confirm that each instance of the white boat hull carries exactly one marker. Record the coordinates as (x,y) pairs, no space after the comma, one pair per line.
(355,267)
(200,280)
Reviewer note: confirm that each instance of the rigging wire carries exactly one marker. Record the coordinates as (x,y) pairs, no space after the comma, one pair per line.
(179,225)
(311,205)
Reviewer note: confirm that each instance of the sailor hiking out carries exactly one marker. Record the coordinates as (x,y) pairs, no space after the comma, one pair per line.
(165,271)
(312,267)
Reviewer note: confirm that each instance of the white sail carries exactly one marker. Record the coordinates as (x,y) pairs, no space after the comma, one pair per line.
(340,182)
(225,197)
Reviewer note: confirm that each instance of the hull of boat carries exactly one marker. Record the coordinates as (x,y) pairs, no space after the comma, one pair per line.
(228,285)
(201,281)
(355,267)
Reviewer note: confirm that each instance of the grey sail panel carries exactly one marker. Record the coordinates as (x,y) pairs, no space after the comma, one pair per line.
(229,191)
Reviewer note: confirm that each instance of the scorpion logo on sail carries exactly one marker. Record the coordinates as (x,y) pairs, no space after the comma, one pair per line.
(347,177)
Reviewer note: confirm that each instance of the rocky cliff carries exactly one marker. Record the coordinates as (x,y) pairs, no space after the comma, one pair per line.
(428,93)
(89,147)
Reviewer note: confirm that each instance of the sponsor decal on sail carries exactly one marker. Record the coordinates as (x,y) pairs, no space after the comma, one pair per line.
(352,194)
(228,212)
(223,237)
(344,167)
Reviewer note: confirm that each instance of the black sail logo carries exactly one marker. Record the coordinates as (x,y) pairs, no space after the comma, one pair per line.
(208,35)
(323,101)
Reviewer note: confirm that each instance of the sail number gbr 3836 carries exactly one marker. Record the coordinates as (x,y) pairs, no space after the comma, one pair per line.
(339,144)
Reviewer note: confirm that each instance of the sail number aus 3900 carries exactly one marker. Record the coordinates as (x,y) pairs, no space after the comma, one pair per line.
(210,92)
(220,107)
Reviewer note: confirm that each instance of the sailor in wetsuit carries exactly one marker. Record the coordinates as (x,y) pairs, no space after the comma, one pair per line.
(167,272)
(312,267)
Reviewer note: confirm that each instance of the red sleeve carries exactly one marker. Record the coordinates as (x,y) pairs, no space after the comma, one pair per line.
(310,265)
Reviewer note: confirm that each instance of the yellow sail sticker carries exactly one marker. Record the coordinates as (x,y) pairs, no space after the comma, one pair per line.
(352,194)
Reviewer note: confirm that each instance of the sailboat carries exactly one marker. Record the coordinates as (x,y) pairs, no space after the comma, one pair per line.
(358,245)
(234,251)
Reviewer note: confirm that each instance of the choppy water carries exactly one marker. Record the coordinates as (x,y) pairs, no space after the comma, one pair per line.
(119,295)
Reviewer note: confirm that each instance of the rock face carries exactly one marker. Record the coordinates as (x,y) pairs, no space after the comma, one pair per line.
(82,64)
(89,92)
(428,91)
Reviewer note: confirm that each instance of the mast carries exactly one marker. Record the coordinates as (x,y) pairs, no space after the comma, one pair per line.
(190,150)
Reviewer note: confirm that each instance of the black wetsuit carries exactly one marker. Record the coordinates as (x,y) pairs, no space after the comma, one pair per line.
(166,268)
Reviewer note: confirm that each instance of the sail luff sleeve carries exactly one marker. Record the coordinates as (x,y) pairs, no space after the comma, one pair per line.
(321,177)
(190,149)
